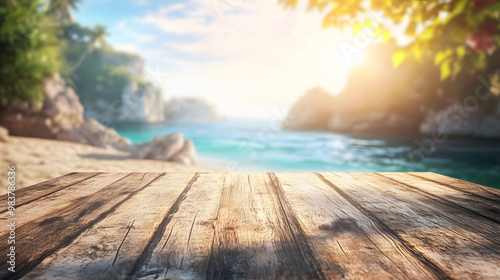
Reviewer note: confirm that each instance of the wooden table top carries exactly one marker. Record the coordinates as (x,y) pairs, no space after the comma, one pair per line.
(255,226)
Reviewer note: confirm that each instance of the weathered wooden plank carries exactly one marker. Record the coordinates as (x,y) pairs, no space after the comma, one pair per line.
(345,237)
(481,206)
(110,248)
(243,243)
(47,204)
(41,237)
(180,248)
(436,232)
(294,250)
(259,225)
(32,193)
(457,184)
(460,217)
(256,235)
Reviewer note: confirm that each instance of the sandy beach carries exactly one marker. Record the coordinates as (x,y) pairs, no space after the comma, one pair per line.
(38,160)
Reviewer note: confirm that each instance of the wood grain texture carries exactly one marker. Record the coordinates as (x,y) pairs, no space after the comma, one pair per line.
(110,248)
(181,246)
(32,193)
(472,203)
(49,203)
(344,238)
(255,226)
(457,184)
(40,237)
(447,240)
(257,235)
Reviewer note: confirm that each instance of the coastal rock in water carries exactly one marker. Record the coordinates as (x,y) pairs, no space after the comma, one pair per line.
(385,101)
(4,134)
(456,120)
(190,110)
(171,147)
(311,112)
(187,155)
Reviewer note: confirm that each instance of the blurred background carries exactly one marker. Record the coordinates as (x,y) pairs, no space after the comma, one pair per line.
(260,85)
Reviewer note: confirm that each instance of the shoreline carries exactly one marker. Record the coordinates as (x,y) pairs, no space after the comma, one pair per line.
(38,160)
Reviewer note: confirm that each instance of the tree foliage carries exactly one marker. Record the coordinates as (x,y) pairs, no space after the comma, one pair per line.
(457,34)
(93,67)
(29,52)
(39,38)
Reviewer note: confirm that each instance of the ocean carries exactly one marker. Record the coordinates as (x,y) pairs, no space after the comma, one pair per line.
(249,146)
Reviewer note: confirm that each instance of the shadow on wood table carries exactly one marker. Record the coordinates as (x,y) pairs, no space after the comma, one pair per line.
(255,226)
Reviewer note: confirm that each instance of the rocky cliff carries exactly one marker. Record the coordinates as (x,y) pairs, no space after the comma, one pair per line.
(123,93)
(380,100)
(61,118)
(190,110)
(311,112)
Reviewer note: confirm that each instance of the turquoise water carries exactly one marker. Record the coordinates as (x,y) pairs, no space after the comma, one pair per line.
(248,146)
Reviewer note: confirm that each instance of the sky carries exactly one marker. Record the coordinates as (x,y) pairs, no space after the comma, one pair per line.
(249,58)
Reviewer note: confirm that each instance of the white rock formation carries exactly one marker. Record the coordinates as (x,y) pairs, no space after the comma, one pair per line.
(190,110)
(61,118)
(141,104)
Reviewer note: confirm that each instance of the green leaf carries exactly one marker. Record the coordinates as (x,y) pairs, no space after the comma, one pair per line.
(368,23)
(378,30)
(442,55)
(445,69)
(417,52)
(398,57)
(461,51)
(386,36)
(457,66)
(357,27)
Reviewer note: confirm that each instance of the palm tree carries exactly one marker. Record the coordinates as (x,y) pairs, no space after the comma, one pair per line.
(61,9)
(97,38)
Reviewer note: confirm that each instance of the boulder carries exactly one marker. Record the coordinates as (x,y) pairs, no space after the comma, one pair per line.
(24,119)
(61,110)
(4,134)
(171,147)
(187,155)
(60,117)
(93,133)
(61,104)
(456,120)
(385,101)
(311,112)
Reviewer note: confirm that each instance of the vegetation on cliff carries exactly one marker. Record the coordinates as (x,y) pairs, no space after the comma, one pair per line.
(39,38)
(30,50)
